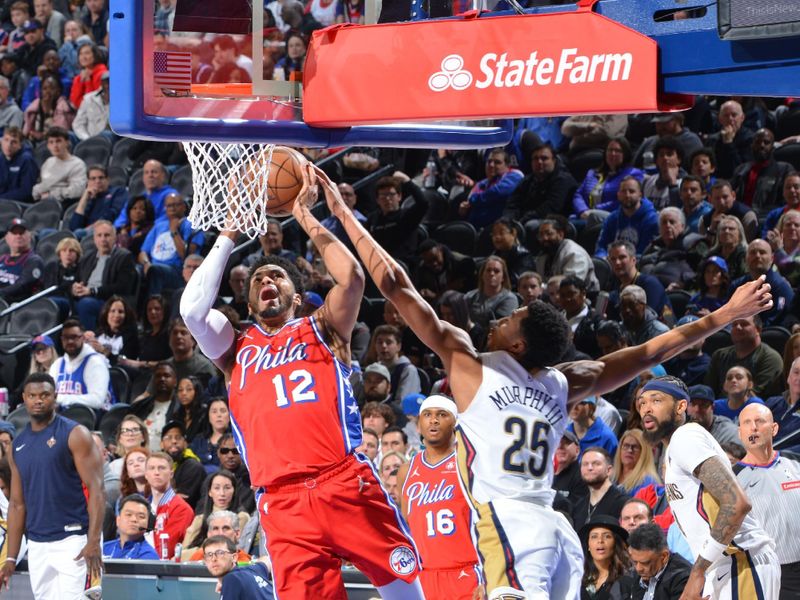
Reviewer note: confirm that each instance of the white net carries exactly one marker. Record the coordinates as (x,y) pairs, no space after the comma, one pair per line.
(230,186)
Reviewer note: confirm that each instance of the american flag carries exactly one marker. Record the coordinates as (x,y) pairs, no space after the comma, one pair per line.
(173,70)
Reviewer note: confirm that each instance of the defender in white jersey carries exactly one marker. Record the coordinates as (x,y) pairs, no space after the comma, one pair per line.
(735,557)
(509,403)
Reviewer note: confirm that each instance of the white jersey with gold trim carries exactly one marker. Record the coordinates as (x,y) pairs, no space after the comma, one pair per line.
(508,435)
(694,508)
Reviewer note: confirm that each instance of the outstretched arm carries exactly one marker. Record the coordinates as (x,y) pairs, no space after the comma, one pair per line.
(444,339)
(343,300)
(592,378)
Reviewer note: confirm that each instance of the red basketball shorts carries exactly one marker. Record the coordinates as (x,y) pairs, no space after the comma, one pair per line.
(453,584)
(341,514)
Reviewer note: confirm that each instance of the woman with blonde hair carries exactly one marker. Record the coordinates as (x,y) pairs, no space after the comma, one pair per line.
(62,273)
(493,298)
(731,245)
(634,467)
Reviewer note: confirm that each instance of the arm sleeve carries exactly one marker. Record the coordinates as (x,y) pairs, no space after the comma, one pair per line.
(212,330)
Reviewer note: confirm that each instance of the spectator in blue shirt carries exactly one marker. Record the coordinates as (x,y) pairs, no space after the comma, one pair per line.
(487,198)
(693,202)
(635,221)
(590,430)
(98,201)
(251,582)
(18,170)
(760,262)
(133,520)
(170,240)
(154,178)
(739,393)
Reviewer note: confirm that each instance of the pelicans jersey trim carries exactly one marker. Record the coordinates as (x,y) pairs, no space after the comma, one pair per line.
(287,381)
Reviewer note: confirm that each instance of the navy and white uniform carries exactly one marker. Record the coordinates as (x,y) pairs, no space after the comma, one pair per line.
(506,441)
(56,516)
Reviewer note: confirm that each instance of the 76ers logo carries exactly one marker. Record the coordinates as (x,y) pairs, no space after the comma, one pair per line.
(403,560)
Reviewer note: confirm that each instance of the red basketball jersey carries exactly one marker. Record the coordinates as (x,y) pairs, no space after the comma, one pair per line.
(292,408)
(438,514)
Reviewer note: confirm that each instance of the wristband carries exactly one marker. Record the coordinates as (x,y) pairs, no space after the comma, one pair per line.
(712,550)
(11,559)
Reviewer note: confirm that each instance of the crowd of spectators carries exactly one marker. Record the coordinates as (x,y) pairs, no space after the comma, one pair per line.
(628,224)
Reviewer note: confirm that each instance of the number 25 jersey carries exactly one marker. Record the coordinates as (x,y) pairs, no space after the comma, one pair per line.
(293,413)
(508,435)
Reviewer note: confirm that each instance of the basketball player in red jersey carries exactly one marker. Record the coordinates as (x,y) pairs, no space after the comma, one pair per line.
(296,423)
(435,508)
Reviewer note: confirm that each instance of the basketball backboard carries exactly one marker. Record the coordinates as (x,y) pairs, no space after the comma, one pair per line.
(156,92)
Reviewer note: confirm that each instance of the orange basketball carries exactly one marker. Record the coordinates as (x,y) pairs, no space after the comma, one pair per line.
(285,180)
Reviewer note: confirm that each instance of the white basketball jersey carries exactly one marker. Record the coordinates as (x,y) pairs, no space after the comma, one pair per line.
(508,435)
(694,508)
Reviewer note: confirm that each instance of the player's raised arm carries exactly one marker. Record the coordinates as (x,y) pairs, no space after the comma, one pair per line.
(441,337)
(591,378)
(343,300)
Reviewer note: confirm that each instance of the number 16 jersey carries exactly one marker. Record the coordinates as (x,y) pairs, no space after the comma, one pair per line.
(509,433)
(293,413)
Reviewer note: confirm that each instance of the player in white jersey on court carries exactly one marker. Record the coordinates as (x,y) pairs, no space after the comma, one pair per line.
(736,558)
(513,411)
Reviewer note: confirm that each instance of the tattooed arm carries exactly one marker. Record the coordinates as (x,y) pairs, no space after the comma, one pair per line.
(720,482)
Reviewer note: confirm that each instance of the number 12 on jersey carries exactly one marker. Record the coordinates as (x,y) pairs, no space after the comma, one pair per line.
(440,522)
(536,465)
(303,390)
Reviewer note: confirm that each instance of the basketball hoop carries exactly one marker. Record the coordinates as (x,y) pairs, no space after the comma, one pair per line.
(230,186)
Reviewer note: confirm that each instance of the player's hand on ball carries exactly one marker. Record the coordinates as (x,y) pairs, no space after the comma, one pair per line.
(750,299)
(307,196)
(332,196)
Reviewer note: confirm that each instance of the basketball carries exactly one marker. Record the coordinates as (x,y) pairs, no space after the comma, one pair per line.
(284,181)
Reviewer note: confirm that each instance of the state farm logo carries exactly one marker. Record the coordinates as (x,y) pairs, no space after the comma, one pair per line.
(452,75)
(500,71)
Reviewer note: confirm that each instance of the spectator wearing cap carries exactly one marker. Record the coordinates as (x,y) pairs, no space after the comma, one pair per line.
(662,575)
(567,480)
(189,473)
(10,113)
(701,411)
(689,366)
(18,169)
(376,384)
(760,261)
(44,354)
(21,270)
(713,282)
(63,175)
(748,351)
(89,78)
(98,201)
(31,54)
(92,116)
(411,404)
(589,429)
(668,125)
(662,186)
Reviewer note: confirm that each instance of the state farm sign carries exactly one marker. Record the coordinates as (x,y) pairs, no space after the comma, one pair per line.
(500,71)
(574,62)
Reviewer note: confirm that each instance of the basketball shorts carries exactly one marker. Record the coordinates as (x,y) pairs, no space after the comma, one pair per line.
(341,514)
(54,572)
(453,584)
(745,575)
(529,551)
